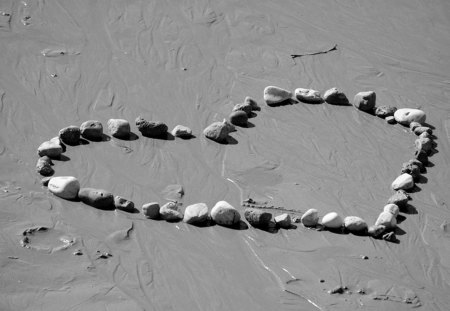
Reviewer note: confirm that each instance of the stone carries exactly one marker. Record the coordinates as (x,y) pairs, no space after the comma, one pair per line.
(399,198)
(218,131)
(334,96)
(407,115)
(411,169)
(123,204)
(355,224)
(92,130)
(274,95)
(44,166)
(386,219)
(45,181)
(65,187)
(170,212)
(151,128)
(243,107)
(310,218)
(423,129)
(385,111)
(392,208)
(308,95)
(424,144)
(257,217)
(151,210)
(418,163)
(252,103)
(50,148)
(421,156)
(413,125)
(376,231)
(365,101)
(390,120)
(97,198)
(182,131)
(70,135)
(332,221)
(196,214)
(283,221)
(119,128)
(425,135)
(390,237)
(404,181)
(238,118)
(224,214)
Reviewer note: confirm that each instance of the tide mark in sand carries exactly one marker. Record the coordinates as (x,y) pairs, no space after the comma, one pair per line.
(334,48)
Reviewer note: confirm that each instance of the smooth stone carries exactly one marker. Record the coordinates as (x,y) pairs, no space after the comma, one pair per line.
(70,135)
(151,128)
(404,181)
(58,141)
(151,210)
(365,101)
(390,120)
(407,115)
(196,213)
(170,212)
(355,224)
(283,221)
(332,220)
(119,128)
(376,230)
(399,198)
(98,198)
(182,131)
(224,214)
(274,95)
(65,187)
(335,97)
(392,208)
(411,169)
(243,107)
(424,144)
(413,125)
(51,149)
(385,111)
(308,95)
(218,131)
(44,166)
(257,217)
(386,219)
(252,103)
(239,118)
(310,218)
(421,156)
(92,130)
(123,204)
(422,129)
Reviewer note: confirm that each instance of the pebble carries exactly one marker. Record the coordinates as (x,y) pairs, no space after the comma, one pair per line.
(365,101)
(243,107)
(355,224)
(422,129)
(169,212)
(411,169)
(257,217)
(151,210)
(65,187)
(404,181)
(376,230)
(392,208)
(239,118)
(252,103)
(335,97)
(399,198)
(310,218)
(421,156)
(51,148)
(151,128)
(425,135)
(390,120)
(97,198)
(332,220)
(44,166)
(413,125)
(308,95)
(196,213)
(407,115)
(274,95)
(119,128)
(218,131)
(45,181)
(182,131)
(70,135)
(386,219)
(283,221)
(224,214)
(123,204)
(418,163)
(92,130)
(385,111)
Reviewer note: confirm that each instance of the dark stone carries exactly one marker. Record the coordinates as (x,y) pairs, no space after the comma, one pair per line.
(411,169)
(399,198)
(422,129)
(376,230)
(151,128)
(413,125)
(97,198)
(92,130)
(390,120)
(239,118)
(123,204)
(70,135)
(252,103)
(385,111)
(257,217)
(44,166)
(421,156)
(335,97)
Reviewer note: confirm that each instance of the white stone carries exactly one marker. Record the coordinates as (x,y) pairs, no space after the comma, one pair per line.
(119,128)
(182,131)
(407,115)
(310,218)
(392,208)
(50,148)
(307,95)
(224,214)
(283,220)
(218,131)
(65,187)
(332,220)
(274,95)
(334,96)
(196,213)
(404,181)
(355,224)
(386,219)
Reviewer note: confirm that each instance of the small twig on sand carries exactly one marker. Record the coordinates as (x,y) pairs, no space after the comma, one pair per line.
(334,48)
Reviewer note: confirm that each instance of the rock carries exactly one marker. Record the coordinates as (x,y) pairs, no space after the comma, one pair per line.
(392,208)
(283,221)
(421,156)
(335,97)
(390,237)
(182,131)
(92,130)
(385,111)
(196,213)
(119,128)
(97,198)
(252,103)
(411,169)
(44,166)
(169,212)
(239,118)
(45,181)
(70,135)
(310,218)
(424,144)
(274,95)
(425,135)
(376,230)
(418,163)
(413,125)
(51,149)
(399,198)
(65,187)
(386,219)
(404,181)
(355,224)
(151,128)
(151,210)
(365,101)
(224,214)
(332,221)
(218,131)
(123,204)
(407,115)
(423,129)
(257,217)
(390,120)
(308,95)
(243,107)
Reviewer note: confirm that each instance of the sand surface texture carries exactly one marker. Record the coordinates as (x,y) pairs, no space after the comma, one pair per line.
(189,62)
